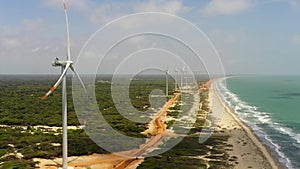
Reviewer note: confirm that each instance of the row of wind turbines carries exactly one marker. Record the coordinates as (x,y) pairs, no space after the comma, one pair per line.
(180,78)
(68,64)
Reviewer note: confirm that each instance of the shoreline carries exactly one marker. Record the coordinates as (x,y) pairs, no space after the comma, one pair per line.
(247,147)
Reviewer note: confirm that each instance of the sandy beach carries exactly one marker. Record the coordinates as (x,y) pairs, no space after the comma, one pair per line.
(247,148)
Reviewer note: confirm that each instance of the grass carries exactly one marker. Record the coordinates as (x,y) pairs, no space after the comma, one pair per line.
(185,154)
(21,104)
(14,163)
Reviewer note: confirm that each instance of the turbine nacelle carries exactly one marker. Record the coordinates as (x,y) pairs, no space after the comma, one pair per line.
(58,62)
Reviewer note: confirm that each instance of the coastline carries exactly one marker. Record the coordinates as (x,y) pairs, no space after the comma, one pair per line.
(246,147)
(243,147)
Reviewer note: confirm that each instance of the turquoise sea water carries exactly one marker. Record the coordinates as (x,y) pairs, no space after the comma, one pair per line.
(270,105)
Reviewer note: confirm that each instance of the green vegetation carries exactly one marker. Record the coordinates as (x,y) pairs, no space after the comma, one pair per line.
(21,102)
(189,153)
(185,155)
(203,111)
(12,162)
(33,143)
(139,92)
(21,105)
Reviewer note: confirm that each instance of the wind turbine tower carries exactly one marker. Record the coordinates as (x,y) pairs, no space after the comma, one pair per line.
(176,78)
(182,77)
(65,65)
(186,78)
(167,82)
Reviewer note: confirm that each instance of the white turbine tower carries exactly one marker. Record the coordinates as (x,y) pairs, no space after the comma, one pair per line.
(167,81)
(65,65)
(176,78)
(186,78)
(182,76)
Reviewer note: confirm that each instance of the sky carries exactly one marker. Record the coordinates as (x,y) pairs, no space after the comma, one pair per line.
(250,36)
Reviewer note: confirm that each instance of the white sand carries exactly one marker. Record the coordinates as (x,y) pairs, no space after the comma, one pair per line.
(250,152)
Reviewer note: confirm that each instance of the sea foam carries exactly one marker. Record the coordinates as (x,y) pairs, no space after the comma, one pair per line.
(256,119)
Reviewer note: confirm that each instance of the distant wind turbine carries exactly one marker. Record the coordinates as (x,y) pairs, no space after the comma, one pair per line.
(182,76)
(176,78)
(65,65)
(186,77)
(167,81)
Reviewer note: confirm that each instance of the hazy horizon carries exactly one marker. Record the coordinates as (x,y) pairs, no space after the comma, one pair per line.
(251,36)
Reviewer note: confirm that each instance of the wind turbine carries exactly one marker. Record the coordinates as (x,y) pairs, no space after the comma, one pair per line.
(65,65)
(186,78)
(182,76)
(167,81)
(176,78)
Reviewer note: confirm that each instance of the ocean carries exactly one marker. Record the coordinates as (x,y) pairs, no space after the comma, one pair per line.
(270,105)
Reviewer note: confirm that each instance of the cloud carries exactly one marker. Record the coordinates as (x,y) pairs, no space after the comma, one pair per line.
(27,34)
(113,10)
(294,4)
(78,5)
(35,50)
(10,42)
(106,13)
(34,25)
(226,7)
(100,13)
(296,39)
(228,37)
(20,47)
(16,38)
(173,7)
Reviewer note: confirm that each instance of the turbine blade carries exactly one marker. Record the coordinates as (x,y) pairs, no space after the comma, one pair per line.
(57,82)
(80,80)
(67,31)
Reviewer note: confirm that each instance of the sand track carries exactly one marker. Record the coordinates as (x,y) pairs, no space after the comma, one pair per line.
(157,129)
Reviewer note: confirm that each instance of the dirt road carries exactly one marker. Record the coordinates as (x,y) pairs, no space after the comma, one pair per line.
(156,129)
